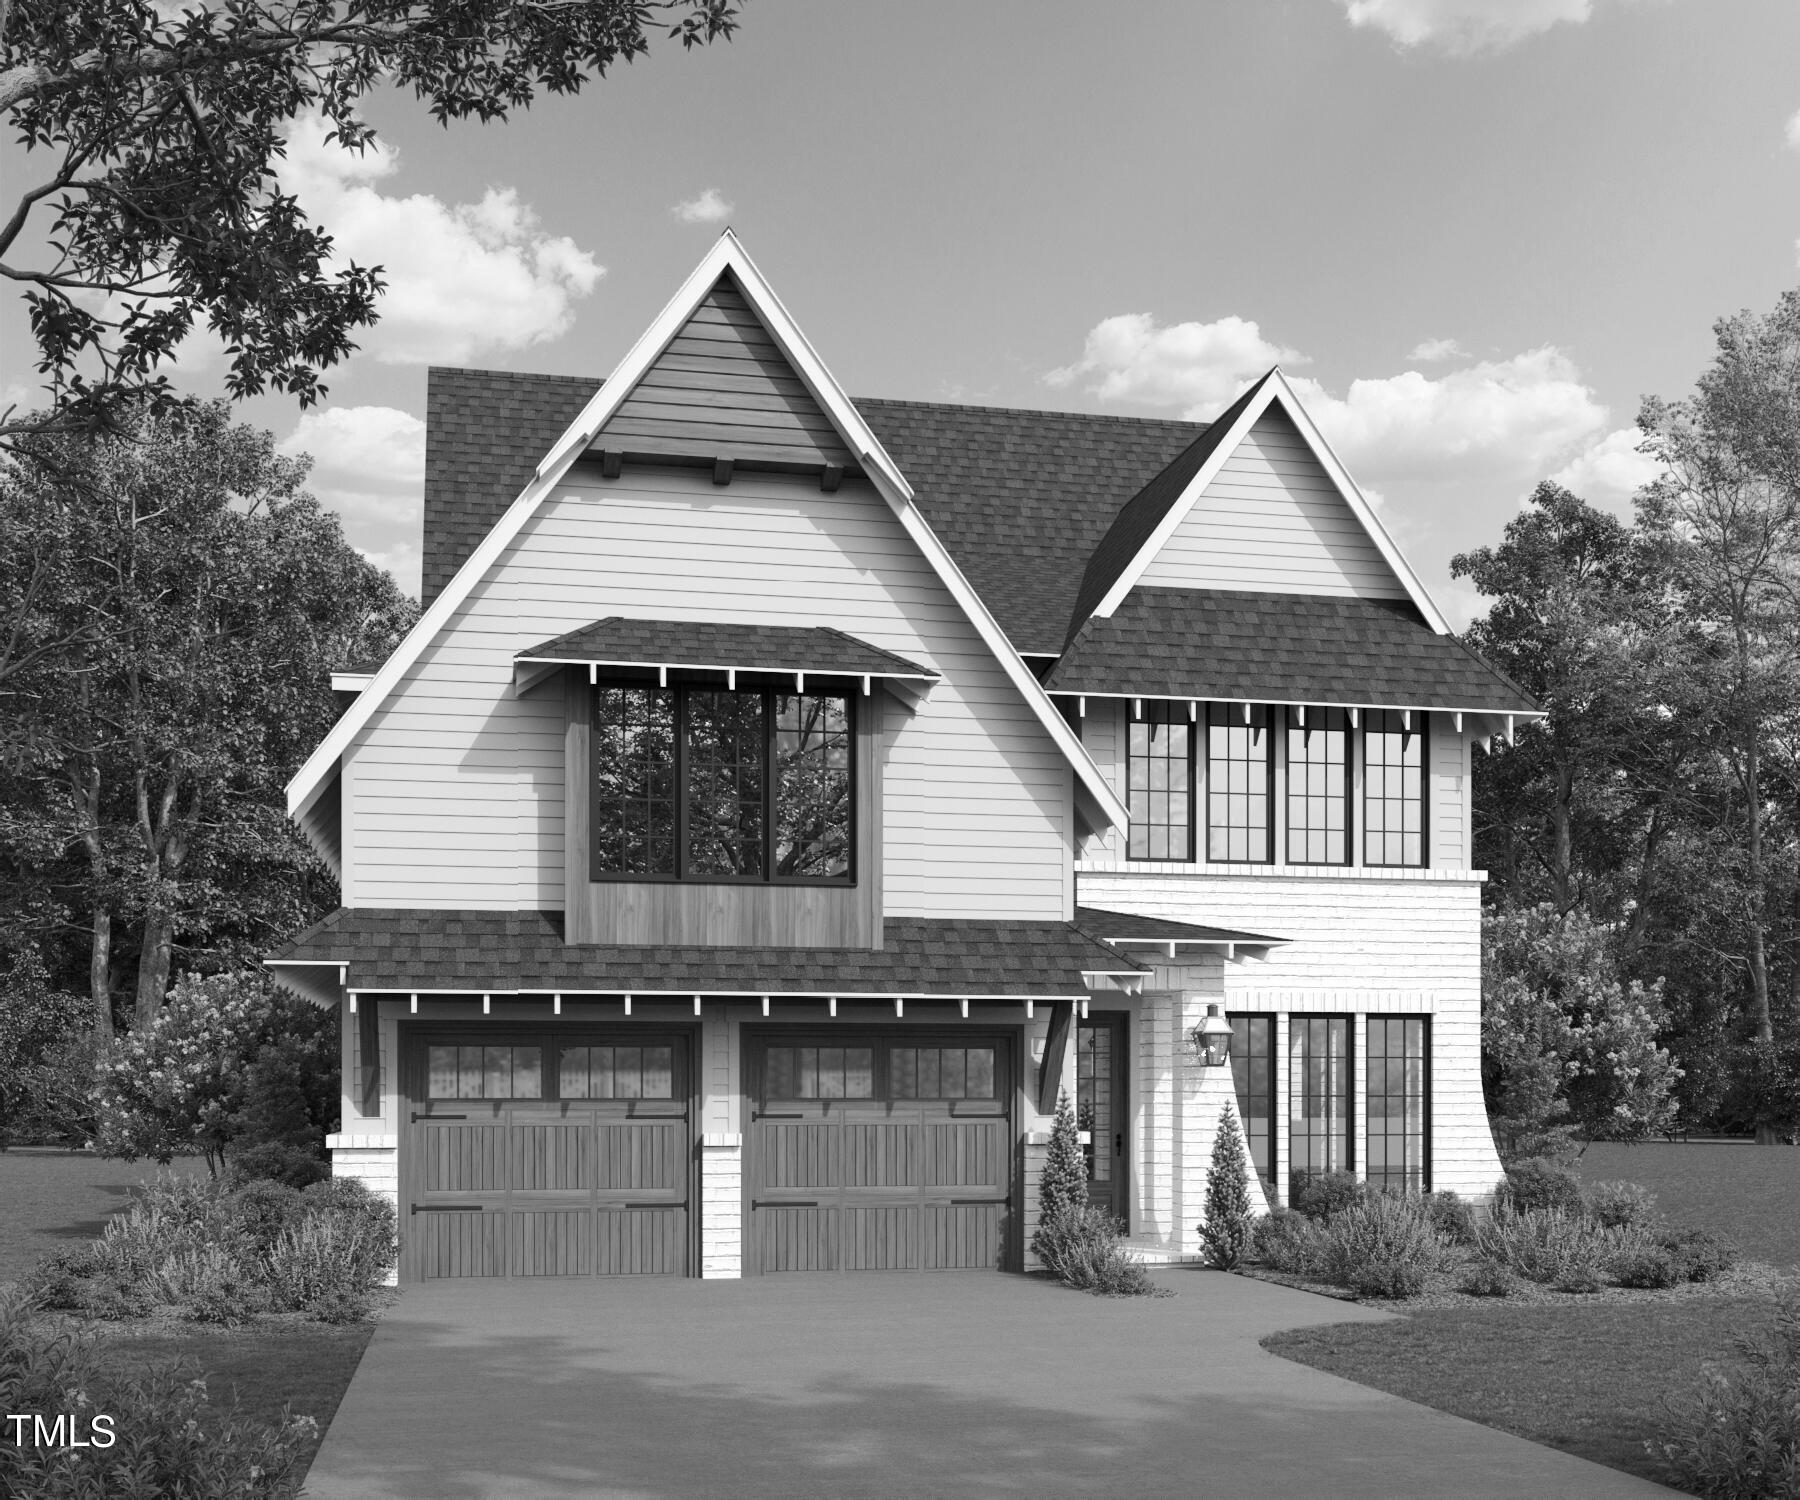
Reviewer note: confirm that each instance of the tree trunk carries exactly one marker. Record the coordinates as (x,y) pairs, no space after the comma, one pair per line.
(87,798)
(100,975)
(153,964)
(1563,853)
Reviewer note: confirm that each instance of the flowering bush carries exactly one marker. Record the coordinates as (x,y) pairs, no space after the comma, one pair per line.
(1383,1247)
(198,1078)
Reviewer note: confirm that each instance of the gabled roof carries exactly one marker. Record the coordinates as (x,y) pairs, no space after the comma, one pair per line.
(1167,504)
(1139,518)
(712,646)
(1226,646)
(1099,802)
(506,953)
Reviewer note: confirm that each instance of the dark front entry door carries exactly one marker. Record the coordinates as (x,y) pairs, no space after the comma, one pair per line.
(1100,1107)
(546,1152)
(878,1150)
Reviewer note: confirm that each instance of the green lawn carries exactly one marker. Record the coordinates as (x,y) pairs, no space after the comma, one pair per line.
(1589,1378)
(50,1199)
(1750,1192)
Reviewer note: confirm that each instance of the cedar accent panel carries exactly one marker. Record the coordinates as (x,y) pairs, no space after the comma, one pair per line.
(745,915)
(723,389)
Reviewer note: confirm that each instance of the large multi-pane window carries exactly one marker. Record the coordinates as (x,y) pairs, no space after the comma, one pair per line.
(1240,766)
(1393,788)
(1399,1064)
(1318,786)
(1253,1072)
(1161,773)
(706,784)
(485,1072)
(1318,1094)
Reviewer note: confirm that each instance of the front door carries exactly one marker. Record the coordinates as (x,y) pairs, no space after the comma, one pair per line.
(1100,1107)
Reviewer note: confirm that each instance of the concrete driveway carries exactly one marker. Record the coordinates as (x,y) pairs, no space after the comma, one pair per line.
(951,1385)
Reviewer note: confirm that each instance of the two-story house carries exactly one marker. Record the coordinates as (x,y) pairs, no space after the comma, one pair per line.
(783,799)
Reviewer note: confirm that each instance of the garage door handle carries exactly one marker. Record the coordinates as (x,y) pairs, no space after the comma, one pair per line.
(981,1202)
(418,1117)
(765,1115)
(446,1208)
(784,1202)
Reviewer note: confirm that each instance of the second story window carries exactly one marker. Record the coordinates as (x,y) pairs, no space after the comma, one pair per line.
(1161,773)
(1240,767)
(1318,787)
(1393,788)
(708,785)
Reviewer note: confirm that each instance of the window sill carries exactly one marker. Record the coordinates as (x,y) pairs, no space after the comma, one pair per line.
(1157,869)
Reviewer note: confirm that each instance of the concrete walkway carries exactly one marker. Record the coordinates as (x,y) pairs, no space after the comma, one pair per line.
(958,1385)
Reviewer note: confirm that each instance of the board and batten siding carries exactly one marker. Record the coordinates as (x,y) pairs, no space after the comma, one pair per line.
(455,786)
(723,389)
(1374,945)
(1272,520)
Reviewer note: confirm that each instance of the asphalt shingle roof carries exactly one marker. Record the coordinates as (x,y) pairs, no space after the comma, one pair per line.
(689,643)
(1296,648)
(1130,927)
(401,950)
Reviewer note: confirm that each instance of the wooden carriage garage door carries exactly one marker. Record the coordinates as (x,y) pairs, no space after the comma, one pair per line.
(879,1152)
(540,1153)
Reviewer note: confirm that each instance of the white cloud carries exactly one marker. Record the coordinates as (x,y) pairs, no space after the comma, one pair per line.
(1464,27)
(461,278)
(1793,131)
(1608,473)
(402,560)
(1462,603)
(1199,366)
(369,467)
(1431,351)
(709,208)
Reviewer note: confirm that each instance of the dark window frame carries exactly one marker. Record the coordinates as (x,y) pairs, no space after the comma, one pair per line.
(1230,716)
(1370,1094)
(718,683)
(1295,1169)
(1290,824)
(882,1043)
(1375,721)
(1159,711)
(1266,1019)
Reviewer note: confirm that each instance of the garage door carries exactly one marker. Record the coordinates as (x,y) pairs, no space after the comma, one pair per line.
(879,1152)
(536,1153)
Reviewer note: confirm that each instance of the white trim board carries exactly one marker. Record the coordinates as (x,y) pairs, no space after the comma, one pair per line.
(1099,803)
(1275,389)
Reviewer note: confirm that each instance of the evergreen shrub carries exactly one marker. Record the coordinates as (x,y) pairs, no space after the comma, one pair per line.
(1225,1235)
(1319,1195)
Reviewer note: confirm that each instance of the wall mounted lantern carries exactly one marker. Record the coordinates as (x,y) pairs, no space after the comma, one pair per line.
(1212,1039)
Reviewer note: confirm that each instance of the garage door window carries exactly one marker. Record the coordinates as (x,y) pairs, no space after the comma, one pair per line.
(486,1072)
(821,1073)
(941,1072)
(617,1073)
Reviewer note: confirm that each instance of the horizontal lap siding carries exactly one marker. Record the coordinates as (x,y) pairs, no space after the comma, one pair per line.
(1272,519)
(723,389)
(458,784)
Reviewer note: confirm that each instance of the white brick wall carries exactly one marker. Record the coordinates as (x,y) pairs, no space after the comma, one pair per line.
(374,1161)
(721,1206)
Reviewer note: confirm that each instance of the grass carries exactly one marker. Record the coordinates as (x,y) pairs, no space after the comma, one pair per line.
(1750,1192)
(56,1198)
(1590,1379)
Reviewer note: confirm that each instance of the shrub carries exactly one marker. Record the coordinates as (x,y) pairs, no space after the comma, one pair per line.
(1698,1254)
(1620,1205)
(1319,1195)
(1541,1185)
(1647,1267)
(260,1210)
(1549,1246)
(1063,1184)
(1226,1232)
(278,1162)
(169,1440)
(1452,1217)
(1287,1241)
(46,1058)
(208,1284)
(1486,1277)
(373,1218)
(1738,1436)
(1080,1246)
(1385,1247)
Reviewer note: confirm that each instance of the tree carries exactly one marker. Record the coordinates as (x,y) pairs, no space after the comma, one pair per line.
(179,1084)
(161,126)
(1728,514)
(1568,1047)
(1225,1234)
(1063,1185)
(200,601)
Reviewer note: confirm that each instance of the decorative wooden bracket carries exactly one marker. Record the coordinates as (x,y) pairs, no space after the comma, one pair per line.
(1056,1046)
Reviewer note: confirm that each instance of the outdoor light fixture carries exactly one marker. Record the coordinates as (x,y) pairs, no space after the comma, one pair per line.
(1212,1039)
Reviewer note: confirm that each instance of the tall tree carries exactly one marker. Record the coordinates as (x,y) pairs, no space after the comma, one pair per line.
(160,125)
(149,757)
(1728,513)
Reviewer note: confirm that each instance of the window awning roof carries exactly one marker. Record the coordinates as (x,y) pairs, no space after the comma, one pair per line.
(665,646)
(1123,929)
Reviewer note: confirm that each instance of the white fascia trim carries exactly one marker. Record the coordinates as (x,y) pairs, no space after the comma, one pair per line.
(350,682)
(1275,389)
(1409,708)
(378,992)
(726,254)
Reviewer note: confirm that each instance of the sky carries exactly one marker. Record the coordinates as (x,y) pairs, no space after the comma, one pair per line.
(1473,232)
